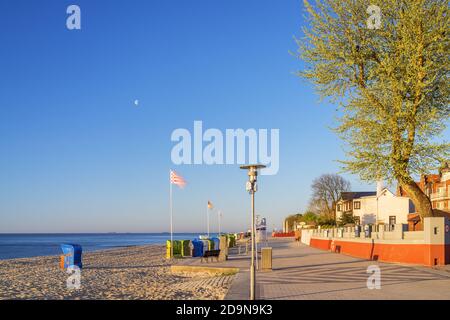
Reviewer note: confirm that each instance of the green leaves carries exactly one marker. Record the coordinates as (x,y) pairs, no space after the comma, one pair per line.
(392,81)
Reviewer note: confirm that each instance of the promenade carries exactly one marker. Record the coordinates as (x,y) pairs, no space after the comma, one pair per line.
(304,273)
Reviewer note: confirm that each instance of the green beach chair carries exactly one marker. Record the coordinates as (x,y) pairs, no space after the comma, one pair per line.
(176,248)
(185,248)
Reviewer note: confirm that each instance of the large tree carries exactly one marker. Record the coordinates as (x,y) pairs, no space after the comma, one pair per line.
(391,80)
(326,191)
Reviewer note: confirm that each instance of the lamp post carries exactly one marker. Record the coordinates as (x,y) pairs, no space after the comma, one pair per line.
(251,187)
(219,216)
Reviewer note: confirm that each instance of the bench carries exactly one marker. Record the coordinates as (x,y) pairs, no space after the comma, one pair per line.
(211,254)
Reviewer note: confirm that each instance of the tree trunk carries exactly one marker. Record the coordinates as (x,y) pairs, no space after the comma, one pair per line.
(421,202)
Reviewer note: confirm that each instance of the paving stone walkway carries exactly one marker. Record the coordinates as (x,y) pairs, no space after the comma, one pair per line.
(301,272)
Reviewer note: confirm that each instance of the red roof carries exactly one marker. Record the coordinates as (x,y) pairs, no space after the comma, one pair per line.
(436,213)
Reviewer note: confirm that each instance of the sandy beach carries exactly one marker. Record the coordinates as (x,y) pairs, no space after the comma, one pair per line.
(140,272)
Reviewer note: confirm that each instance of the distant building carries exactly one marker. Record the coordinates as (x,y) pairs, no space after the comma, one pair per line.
(370,208)
(346,202)
(437,188)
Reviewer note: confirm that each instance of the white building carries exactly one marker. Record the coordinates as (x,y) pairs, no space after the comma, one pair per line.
(370,208)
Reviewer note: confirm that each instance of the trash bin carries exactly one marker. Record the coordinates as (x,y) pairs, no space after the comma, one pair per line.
(266,259)
(357,231)
(72,255)
(198,248)
(216,243)
(368,230)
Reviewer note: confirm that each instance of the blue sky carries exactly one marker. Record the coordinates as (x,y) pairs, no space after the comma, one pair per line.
(78,156)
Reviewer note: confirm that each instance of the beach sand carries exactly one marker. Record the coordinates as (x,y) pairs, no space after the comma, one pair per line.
(140,272)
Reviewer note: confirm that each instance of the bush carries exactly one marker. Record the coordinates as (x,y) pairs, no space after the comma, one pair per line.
(346,218)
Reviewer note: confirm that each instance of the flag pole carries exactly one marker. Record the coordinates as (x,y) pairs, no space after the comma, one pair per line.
(207,218)
(219,223)
(171,216)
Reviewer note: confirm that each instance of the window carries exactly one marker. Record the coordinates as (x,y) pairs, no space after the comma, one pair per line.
(357,220)
(392,220)
(357,205)
(339,207)
(348,206)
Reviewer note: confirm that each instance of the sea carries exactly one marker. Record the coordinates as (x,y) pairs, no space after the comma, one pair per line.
(32,245)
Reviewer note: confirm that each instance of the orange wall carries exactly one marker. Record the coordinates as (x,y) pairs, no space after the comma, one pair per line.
(422,254)
(323,244)
(447,254)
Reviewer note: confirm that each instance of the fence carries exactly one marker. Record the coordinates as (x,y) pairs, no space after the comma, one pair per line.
(429,247)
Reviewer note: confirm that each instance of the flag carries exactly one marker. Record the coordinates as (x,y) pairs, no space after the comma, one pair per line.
(177,179)
(210,205)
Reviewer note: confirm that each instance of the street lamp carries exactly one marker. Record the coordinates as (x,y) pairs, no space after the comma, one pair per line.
(252,187)
(219,216)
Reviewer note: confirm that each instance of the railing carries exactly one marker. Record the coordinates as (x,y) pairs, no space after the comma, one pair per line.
(382,232)
(440,194)
(413,235)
